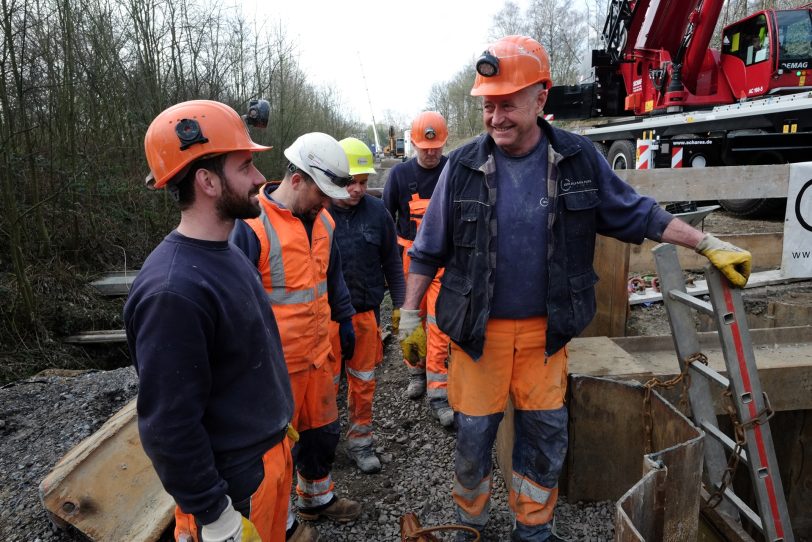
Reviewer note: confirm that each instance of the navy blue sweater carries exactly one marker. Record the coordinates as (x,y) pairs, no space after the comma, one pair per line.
(214,392)
(370,258)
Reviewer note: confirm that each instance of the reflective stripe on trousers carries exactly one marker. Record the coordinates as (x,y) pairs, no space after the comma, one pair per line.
(313,492)
(513,365)
(436,346)
(360,369)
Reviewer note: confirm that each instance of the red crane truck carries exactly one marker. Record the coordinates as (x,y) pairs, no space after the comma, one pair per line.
(748,103)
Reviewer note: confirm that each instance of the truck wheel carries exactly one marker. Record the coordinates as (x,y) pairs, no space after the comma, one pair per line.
(622,154)
(601,148)
(760,208)
(746,208)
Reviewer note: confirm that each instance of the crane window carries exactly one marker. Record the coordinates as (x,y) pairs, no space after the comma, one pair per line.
(748,40)
(794,36)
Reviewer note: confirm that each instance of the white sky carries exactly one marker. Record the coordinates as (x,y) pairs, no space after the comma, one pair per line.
(404,46)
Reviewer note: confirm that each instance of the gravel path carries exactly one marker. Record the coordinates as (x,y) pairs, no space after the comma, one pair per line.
(43,417)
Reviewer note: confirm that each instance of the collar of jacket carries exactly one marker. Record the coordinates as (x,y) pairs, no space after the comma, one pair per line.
(476,156)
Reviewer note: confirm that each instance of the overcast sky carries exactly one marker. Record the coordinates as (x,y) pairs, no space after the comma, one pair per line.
(404,46)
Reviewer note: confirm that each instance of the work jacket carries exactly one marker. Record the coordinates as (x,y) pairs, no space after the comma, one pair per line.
(369,255)
(294,274)
(586,198)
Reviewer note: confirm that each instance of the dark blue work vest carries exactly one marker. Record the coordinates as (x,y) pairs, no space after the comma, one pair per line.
(467,286)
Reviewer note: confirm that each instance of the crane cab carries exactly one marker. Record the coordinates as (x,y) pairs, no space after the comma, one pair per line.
(769,52)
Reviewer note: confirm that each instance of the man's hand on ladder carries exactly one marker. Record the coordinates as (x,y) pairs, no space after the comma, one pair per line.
(732,261)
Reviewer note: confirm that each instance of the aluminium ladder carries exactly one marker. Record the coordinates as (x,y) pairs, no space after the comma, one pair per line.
(751,404)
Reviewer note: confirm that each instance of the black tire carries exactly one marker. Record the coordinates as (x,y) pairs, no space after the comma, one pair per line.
(752,208)
(601,148)
(758,208)
(622,154)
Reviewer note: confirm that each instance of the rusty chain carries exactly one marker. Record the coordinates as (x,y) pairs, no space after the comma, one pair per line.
(685,378)
(739,429)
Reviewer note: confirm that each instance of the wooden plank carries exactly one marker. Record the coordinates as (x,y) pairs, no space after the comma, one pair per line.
(612,260)
(765,247)
(115,284)
(713,183)
(97,337)
(106,487)
(700,287)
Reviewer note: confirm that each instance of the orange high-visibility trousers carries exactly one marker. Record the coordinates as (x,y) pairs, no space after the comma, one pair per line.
(360,375)
(268,508)
(315,417)
(513,365)
(436,346)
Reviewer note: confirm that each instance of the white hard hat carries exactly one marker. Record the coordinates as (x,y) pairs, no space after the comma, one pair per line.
(322,158)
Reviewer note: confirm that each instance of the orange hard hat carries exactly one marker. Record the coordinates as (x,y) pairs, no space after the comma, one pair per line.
(190,130)
(429,130)
(511,64)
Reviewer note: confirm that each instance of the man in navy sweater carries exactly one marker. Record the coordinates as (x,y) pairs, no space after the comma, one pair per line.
(214,400)
(370,261)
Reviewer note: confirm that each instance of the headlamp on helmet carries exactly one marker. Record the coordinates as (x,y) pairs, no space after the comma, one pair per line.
(487,65)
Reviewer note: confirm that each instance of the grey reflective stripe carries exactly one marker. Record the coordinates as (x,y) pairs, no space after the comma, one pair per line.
(436,377)
(327,226)
(483,488)
(277,268)
(437,393)
(528,488)
(359,429)
(279,295)
(361,442)
(431,319)
(292,297)
(367,376)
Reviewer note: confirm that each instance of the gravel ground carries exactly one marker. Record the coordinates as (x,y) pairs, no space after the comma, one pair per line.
(43,417)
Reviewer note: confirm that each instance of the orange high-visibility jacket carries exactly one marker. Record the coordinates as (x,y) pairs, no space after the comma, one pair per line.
(294,274)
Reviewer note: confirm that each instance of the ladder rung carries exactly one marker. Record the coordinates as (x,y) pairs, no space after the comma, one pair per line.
(691,301)
(728,443)
(711,374)
(744,509)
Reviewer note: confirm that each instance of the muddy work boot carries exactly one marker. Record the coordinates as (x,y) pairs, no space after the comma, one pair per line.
(417,384)
(365,459)
(442,412)
(303,533)
(341,510)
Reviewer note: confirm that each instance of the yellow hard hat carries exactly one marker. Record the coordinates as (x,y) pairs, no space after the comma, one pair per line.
(358,155)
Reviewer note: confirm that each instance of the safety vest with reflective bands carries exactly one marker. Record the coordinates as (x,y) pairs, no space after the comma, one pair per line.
(294,274)
(417,210)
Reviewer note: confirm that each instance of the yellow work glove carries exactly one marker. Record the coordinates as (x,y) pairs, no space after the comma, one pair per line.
(231,526)
(732,261)
(412,336)
(395,322)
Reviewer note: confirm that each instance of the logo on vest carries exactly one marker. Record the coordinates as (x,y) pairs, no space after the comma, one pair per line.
(544,202)
(578,185)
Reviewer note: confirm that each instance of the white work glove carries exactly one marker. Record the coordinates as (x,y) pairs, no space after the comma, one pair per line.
(231,526)
(409,321)
(732,261)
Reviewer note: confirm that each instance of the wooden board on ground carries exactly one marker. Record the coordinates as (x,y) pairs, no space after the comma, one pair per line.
(97,337)
(106,487)
(700,287)
(115,284)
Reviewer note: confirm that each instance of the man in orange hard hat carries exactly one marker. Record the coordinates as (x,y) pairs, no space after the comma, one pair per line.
(406,195)
(513,220)
(214,398)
